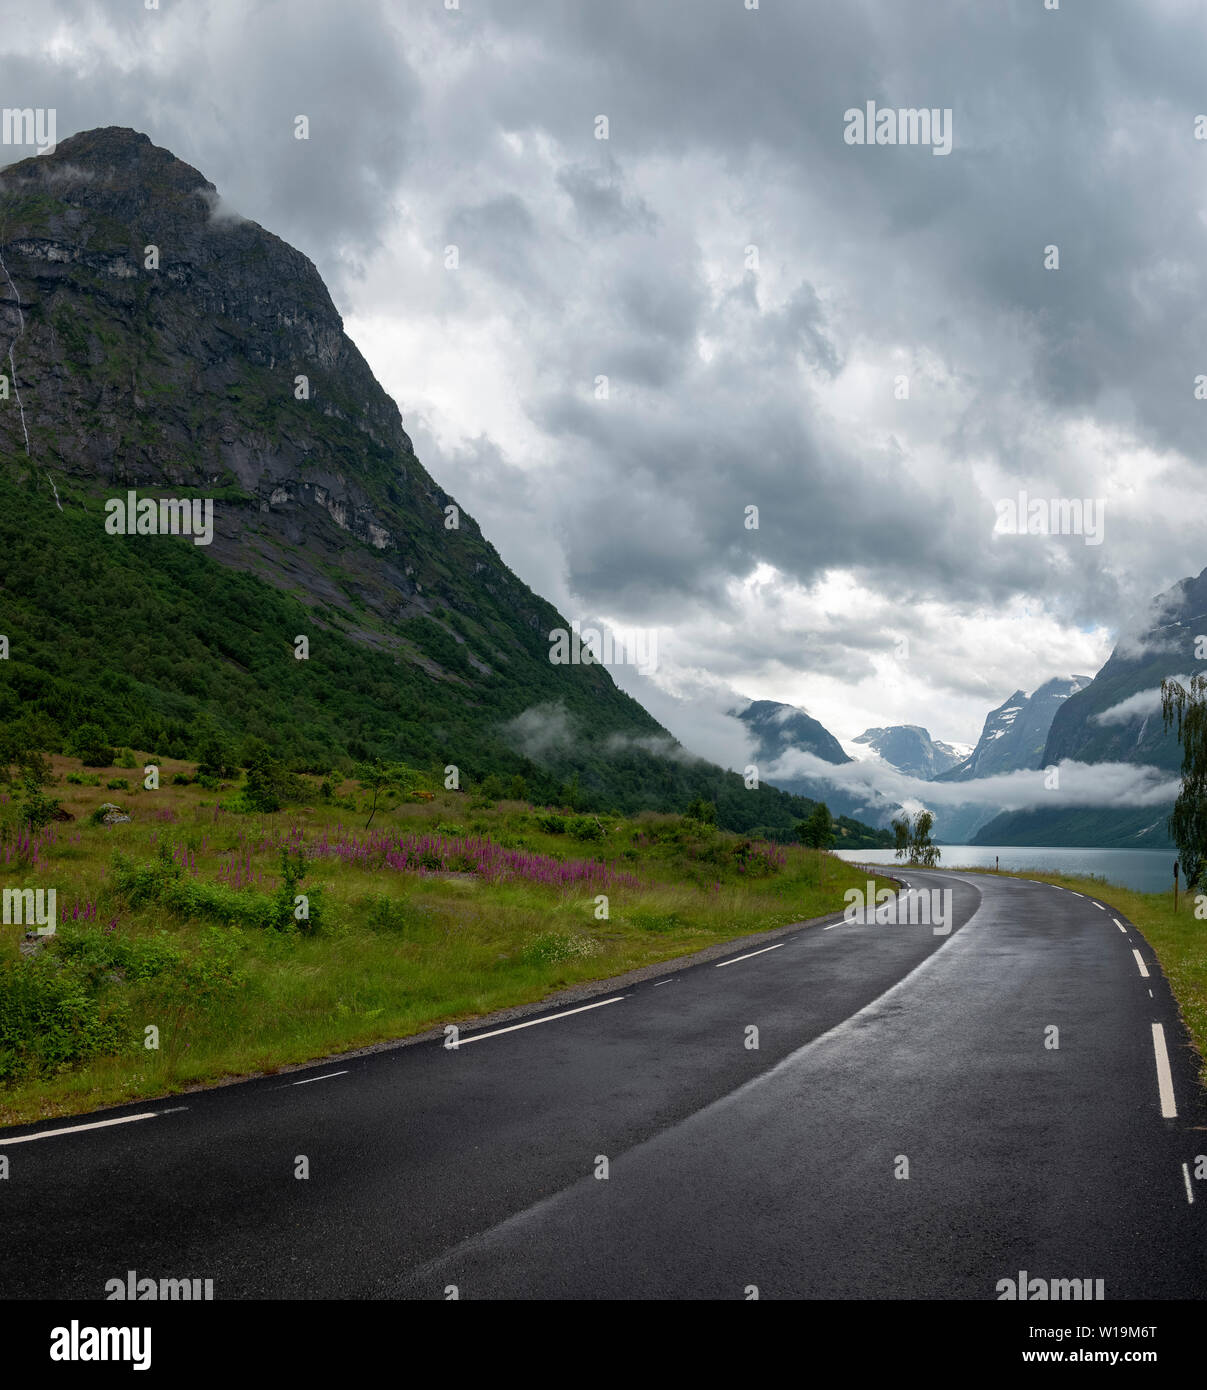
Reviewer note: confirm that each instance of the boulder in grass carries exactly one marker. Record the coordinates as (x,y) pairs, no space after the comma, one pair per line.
(109,814)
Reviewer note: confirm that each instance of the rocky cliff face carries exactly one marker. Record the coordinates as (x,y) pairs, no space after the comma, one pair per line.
(1014,734)
(1117,717)
(157,342)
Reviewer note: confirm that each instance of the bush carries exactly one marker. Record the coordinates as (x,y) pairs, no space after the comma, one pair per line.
(98,953)
(552,824)
(585,828)
(49,1019)
(268,785)
(388,914)
(88,743)
(162,881)
(34,809)
(117,784)
(217,760)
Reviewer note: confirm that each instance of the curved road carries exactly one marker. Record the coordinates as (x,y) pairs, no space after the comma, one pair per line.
(883,1048)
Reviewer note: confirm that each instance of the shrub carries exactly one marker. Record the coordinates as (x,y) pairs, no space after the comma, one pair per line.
(163,881)
(552,824)
(98,953)
(585,828)
(88,743)
(34,809)
(117,784)
(49,1019)
(268,785)
(387,913)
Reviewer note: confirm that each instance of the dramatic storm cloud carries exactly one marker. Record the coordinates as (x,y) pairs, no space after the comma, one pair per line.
(725,305)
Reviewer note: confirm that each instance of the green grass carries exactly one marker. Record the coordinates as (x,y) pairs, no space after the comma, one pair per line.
(1179,940)
(395,952)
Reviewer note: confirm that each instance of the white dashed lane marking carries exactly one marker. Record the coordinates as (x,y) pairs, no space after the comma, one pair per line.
(77,1129)
(326,1077)
(1140,963)
(1169,1109)
(748,955)
(532,1023)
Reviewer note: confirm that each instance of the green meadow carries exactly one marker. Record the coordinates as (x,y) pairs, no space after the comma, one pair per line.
(238,942)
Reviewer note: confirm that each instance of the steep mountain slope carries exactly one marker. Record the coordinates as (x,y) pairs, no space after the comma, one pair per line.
(1117,718)
(910,749)
(157,343)
(1097,725)
(1015,733)
(778,729)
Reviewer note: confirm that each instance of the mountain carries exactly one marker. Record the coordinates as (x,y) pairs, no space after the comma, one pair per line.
(1015,733)
(1117,718)
(910,749)
(160,345)
(778,729)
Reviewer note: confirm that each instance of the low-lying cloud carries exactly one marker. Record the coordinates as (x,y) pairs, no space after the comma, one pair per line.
(1117,785)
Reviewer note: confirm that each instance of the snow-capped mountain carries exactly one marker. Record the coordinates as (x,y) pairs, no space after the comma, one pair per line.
(910,749)
(1015,733)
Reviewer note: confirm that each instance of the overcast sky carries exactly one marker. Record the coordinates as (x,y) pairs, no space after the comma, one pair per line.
(731,383)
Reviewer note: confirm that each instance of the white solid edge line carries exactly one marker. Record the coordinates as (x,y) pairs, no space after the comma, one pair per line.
(1169,1109)
(1140,963)
(77,1129)
(762,952)
(494,1033)
(327,1077)
(1189,1189)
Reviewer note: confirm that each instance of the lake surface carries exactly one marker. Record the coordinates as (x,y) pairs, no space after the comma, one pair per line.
(1144,870)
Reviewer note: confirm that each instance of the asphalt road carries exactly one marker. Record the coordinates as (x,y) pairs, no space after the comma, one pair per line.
(729,1168)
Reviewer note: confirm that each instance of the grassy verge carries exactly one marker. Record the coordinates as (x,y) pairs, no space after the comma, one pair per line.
(182,921)
(1179,940)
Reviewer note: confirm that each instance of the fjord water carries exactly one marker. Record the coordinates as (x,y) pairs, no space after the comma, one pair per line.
(1143,870)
